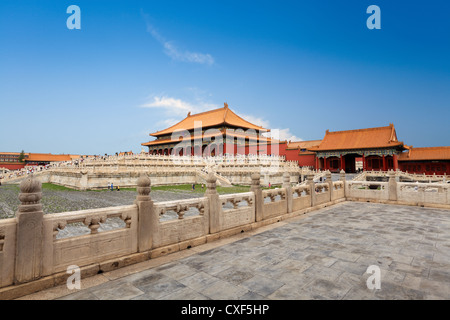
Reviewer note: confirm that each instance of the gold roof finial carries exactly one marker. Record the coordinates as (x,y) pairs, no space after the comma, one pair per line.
(225,105)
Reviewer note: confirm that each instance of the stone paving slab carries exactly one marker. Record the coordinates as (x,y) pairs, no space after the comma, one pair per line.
(324,255)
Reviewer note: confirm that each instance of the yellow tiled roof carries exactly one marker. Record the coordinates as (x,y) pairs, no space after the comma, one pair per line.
(302,144)
(210,119)
(380,137)
(429,153)
(222,133)
(48,157)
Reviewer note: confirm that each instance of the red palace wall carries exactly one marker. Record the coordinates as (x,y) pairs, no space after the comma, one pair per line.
(427,167)
(12,166)
(304,160)
(292,155)
(307,160)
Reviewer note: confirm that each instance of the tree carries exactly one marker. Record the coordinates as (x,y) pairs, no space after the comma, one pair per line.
(22,156)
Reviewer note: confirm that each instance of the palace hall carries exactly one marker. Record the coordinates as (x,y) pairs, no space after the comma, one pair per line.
(222,132)
(378,147)
(212,133)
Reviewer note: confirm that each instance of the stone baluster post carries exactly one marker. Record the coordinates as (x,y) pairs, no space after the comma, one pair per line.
(330,185)
(392,186)
(312,188)
(215,206)
(84,185)
(287,186)
(29,236)
(342,178)
(259,200)
(148,219)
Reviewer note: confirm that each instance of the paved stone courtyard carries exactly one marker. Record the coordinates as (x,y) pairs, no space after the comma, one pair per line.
(324,255)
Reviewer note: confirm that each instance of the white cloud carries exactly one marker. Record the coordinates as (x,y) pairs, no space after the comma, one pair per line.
(173,52)
(255,120)
(166,123)
(178,106)
(172,105)
(187,56)
(278,134)
(283,134)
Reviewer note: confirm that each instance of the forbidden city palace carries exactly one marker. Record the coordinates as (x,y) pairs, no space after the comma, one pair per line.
(212,133)
(223,132)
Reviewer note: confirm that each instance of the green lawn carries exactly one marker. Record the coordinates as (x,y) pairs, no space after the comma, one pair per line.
(174,188)
(198,188)
(54,187)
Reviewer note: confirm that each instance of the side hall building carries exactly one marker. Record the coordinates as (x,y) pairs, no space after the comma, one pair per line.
(378,147)
(426,160)
(11,160)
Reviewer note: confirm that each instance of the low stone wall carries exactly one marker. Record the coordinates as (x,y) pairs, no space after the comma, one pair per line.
(242,213)
(367,190)
(423,193)
(140,235)
(301,198)
(395,192)
(92,178)
(276,204)
(33,257)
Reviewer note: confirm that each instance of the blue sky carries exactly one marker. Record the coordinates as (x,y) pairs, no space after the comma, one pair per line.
(302,67)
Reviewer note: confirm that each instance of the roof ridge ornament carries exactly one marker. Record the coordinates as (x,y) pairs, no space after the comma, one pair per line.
(225,106)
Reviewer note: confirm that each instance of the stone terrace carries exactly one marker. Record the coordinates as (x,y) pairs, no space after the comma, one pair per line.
(321,255)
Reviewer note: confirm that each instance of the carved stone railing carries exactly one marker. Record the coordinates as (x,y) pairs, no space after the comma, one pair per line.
(423,177)
(92,218)
(274,195)
(322,187)
(366,175)
(237,199)
(274,202)
(180,207)
(242,212)
(141,231)
(360,176)
(367,190)
(8,231)
(301,197)
(423,193)
(184,227)
(301,190)
(322,192)
(97,246)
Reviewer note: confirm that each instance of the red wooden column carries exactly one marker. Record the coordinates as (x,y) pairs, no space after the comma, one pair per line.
(324,163)
(317,162)
(395,162)
(342,163)
(384,163)
(364,162)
